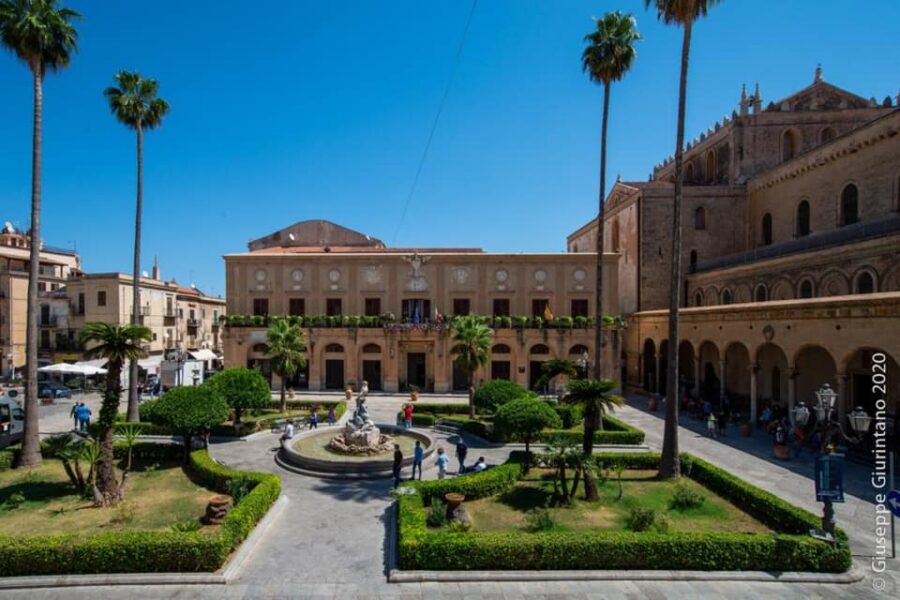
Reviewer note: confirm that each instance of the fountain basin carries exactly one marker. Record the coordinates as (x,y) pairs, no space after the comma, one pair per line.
(309,451)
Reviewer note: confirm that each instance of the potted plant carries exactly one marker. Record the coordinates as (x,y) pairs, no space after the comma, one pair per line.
(653,404)
(745,428)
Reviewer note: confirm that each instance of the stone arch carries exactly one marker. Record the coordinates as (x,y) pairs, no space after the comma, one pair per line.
(727,296)
(806,288)
(833,283)
(698,298)
(333,347)
(737,377)
(371,349)
(865,280)
(742,294)
(891,280)
(826,135)
(259,350)
(813,367)
(578,350)
(857,365)
(689,173)
(686,369)
(710,167)
(539,349)
(790,144)
(663,367)
(711,296)
(782,289)
(760,293)
(501,349)
(802,219)
(772,375)
(648,363)
(710,377)
(700,222)
(849,205)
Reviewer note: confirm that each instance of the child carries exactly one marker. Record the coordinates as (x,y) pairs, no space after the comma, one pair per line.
(442,461)
(288,433)
(408,414)
(331,418)
(711,425)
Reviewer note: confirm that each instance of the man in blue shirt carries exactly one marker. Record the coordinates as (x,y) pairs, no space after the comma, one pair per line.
(418,456)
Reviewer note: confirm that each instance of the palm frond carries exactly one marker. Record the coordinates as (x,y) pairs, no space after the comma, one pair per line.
(39,32)
(134,100)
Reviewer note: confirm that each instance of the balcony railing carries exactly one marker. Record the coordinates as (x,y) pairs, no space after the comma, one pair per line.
(48,321)
(193,322)
(844,235)
(389,322)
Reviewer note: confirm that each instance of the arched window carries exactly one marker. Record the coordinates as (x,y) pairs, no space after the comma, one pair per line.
(865,283)
(826,135)
(700,218)
(767,229)
(710,167)
(698,299)
(500,349)
(803,218)
(693,260)
(788,145)
(726,297)
(806,289)
(722,158)
(540,349)
(689,173)
(615,235)
(578,349)
(371,349)
(334,348)
(761,294)
(849,205)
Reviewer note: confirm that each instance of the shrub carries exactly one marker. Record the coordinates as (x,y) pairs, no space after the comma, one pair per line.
(7,459)
(571,414)
(190,410)
(640,519)
(238,487)
(241,388)
(474,485)
(686,497)
(538,519)
(493,394)
(524,419)
(15,500)
(187,526)
(437,516)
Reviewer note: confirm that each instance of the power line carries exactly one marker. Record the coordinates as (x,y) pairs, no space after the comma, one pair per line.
(437,117)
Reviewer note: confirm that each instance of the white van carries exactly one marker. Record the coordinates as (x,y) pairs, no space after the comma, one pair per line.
(12,419)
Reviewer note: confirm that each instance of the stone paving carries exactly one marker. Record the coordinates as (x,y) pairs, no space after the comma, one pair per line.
(332,540)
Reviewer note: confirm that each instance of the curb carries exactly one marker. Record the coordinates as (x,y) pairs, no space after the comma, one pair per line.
(397,576)
(233,567)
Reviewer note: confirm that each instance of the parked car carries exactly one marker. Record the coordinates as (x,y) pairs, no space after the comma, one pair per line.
(51,389)
(12,419)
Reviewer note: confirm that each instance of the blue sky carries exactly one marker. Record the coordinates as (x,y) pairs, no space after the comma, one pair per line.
(284,111)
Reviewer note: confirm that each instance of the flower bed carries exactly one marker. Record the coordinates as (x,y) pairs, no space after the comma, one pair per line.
(788,548)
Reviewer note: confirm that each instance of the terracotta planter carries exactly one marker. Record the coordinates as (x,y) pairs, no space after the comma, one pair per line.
(746,429)
(652,405)
(782,452)
(453,500)
(414,395)
(348,393)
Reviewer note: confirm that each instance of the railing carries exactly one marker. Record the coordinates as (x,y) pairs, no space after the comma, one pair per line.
(48,321)
(193,322)
(847,234)
(389,322)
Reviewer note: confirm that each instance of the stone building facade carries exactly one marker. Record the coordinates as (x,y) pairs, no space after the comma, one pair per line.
(413,291)
(791,252)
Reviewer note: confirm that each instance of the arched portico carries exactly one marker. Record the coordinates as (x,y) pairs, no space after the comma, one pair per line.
(737,377)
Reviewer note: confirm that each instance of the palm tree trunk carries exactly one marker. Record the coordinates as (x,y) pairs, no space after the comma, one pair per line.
(283,397)
(598,302)
(31,442)
(133,401)
(106,471)
(669,465)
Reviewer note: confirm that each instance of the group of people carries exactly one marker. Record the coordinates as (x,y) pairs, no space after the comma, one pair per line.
(81,414)
(289,429)
(442,461)
(717,420)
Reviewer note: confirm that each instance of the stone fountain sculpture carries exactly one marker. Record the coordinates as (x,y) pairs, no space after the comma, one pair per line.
(360,435)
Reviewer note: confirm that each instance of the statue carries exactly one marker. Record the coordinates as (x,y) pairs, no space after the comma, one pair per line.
(417,281)
(361,414)
(360,434)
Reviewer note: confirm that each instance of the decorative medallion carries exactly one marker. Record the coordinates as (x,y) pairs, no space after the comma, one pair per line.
(417,281)
(768,332)
(460,275)
(297,275)
(371,275)
(540,276)
(502,275)
(580,275)
(261,274)
(334,275)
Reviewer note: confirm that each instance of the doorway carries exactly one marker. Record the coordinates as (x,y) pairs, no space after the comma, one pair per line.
(334,374)
(372,374)
(500,369)
(415,370)
(460,378)
(534,374)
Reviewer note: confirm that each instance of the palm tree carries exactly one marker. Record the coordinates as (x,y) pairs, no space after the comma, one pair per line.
(285,350)
(684,13)
(117,344)
(41,34)
(608,56)
(471,350)
(135,105)
(596,399)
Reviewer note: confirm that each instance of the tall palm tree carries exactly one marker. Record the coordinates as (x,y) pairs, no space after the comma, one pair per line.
(683,13)
(284,346)
(117,344)
(471,350)
(609,54)
(41,34)
(135,104)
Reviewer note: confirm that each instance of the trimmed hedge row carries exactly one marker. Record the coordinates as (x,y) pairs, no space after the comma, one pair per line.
(615,432)
(440,409)
(146,551)
(789,549)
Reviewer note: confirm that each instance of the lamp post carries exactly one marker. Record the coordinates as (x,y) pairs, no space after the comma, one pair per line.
(828,429)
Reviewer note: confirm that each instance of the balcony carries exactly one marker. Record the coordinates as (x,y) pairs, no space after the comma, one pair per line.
(193,323)
(49,321)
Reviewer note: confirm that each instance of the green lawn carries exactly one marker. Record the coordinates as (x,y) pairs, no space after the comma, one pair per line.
(507,511)
(157,497)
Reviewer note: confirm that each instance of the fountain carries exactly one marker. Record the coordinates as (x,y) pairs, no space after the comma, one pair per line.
(361,436)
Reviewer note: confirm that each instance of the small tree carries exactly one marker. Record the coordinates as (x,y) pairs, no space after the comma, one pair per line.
(241,388)
(524,419)
(552,369)
(284,345)
(471,350)
(493,394)
(596,398)
(190,411)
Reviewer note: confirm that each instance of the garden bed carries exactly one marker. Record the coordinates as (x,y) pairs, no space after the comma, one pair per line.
(764,533)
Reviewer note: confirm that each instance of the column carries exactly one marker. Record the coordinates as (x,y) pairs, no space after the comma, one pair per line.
(842,399)
(697,375)
(792,392)
(315,364)
(754,369)
(656,373)
(722,364)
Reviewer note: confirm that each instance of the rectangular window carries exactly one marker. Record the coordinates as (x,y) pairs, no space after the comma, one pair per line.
(461,306)
(296,306)
(501,307)
(538,307)
(81,303)
(333,307)
(101,298)
(260,306)
(416,310)
(579,308)
(373,307)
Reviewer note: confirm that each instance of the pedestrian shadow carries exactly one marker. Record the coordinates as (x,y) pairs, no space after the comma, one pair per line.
(389,544)
(355,490)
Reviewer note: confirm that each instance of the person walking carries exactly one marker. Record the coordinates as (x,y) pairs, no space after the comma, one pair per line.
(84,417)
(711,425)
(314,419)
(398,464)
(442,461)
(408,415)
(418,457)
(331,417)
(461,451)
(74,414)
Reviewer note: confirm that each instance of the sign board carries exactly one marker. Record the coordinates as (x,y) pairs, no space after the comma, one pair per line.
(893,502)
(830,478)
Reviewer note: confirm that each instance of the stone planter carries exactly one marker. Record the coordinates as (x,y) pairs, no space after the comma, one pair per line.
(454,501)
(782,452)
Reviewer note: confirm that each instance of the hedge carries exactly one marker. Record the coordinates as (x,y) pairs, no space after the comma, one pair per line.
(147,551)
(7,458)
(789,548)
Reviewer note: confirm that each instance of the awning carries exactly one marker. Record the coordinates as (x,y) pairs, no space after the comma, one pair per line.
(97,362)
(151,363)
(203,354)
(76,369)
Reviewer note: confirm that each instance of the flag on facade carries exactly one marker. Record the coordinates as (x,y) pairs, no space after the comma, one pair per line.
(548,314)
